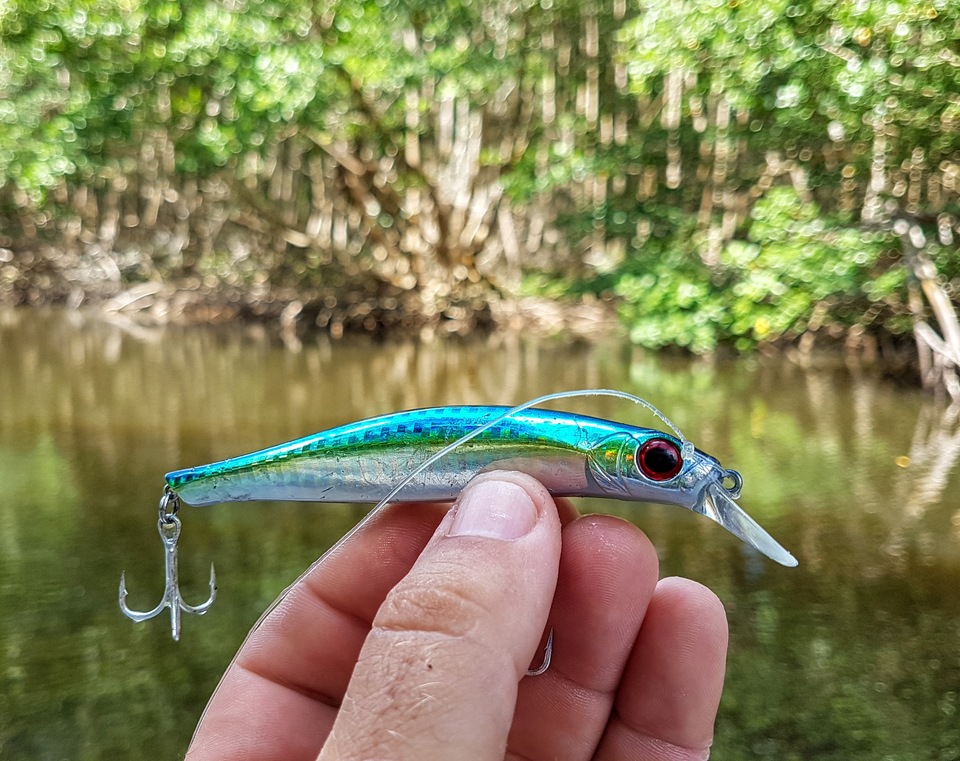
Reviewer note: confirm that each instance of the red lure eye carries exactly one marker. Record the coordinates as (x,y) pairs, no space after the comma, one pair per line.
(659,460)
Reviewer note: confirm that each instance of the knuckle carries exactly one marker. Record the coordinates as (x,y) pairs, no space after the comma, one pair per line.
(433,603)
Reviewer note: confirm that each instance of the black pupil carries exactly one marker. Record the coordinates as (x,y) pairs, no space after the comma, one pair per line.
(660,459)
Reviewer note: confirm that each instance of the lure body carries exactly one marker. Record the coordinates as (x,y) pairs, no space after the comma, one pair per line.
(363,461)
(571,454)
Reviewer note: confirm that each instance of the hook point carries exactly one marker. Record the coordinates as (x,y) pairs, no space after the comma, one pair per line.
(547,657)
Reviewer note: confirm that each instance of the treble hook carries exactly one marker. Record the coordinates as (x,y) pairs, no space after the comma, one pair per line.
(168,526)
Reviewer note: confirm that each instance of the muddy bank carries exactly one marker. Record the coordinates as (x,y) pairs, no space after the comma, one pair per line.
(365,309)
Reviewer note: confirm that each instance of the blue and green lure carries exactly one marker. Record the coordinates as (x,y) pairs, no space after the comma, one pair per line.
(431,454)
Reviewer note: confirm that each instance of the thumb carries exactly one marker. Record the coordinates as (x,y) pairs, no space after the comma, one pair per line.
(437,676)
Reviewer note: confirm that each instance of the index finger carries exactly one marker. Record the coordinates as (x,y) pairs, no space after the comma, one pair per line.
(279,697)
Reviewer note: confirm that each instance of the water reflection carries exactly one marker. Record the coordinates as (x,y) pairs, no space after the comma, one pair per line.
(856,654)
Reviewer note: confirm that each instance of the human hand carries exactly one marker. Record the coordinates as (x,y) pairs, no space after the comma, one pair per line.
(411,641)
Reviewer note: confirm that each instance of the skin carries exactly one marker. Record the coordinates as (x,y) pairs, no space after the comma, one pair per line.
(411,641)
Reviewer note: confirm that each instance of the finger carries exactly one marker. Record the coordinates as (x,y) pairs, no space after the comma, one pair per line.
(565,508)
(451,642)
(667,702)
(608,572)
(278,698)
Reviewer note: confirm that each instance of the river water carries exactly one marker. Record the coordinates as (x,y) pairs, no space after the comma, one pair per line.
(855,654)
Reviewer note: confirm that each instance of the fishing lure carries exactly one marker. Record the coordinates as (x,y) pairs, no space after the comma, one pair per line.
(390,458)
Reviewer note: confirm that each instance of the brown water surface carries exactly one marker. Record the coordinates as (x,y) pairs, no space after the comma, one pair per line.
(853,655)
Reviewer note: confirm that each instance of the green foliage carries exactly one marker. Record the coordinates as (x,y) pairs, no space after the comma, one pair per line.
(841,96)
(792,267)
(742,160)
(813,72)
(672,303)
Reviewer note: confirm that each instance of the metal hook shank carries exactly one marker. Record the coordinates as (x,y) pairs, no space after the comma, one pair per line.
(547,657)
(168,527)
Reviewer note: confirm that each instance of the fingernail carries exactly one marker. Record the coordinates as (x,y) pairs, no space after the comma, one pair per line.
(494,509)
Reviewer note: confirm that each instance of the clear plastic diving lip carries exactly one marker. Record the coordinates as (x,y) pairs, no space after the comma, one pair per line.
(716,503)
